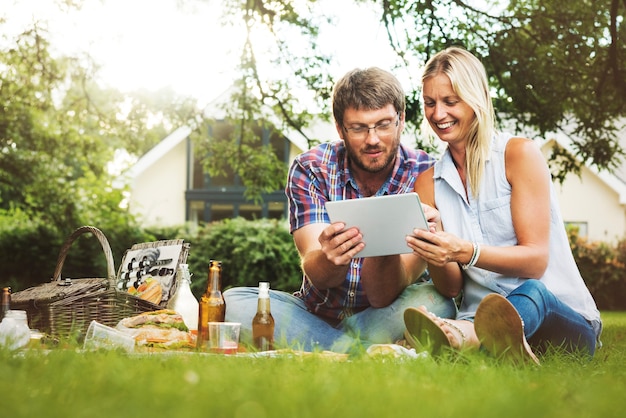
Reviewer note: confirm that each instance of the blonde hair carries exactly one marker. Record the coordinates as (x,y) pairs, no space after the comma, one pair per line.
(469,80)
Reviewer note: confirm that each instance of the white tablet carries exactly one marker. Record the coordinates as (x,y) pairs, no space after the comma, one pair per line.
(384,221)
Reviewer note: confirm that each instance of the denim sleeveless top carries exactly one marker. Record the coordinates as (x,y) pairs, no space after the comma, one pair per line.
(488,222)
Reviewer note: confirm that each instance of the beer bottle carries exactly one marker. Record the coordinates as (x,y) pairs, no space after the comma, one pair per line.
(263,321)
(6,302)
(212,305)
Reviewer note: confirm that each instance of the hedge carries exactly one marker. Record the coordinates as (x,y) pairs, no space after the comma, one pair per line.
(250,251)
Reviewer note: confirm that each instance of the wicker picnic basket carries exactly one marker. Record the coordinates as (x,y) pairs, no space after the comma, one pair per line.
(65,307)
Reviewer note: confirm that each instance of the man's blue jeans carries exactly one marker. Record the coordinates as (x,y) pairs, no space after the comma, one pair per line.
(296,327)
(550,322)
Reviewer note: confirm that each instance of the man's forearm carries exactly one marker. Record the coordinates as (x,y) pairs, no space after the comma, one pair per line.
(322,273)
(384,278)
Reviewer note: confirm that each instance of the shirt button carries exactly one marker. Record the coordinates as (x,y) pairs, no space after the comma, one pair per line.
(351,294)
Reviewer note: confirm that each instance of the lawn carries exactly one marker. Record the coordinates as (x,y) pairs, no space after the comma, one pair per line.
(71,383)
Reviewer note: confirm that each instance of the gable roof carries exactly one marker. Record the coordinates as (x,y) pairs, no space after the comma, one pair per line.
(611,180)
(158,151)
(212,110)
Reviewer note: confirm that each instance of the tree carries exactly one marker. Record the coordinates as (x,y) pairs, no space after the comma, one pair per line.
(59,131)
(269,92)
(555,65)
(43,153)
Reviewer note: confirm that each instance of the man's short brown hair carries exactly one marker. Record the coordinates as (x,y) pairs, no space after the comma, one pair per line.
(367,89)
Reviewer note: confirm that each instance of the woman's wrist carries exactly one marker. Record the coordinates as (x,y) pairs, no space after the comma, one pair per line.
(474,257)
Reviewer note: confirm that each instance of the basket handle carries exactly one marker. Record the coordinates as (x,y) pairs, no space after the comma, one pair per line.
(105,247)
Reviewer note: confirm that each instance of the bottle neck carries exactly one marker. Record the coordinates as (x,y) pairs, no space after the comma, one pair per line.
(6,300)
(263,305)
(215,280)
(184,276)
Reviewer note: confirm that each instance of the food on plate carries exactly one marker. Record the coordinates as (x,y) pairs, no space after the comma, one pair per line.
(149,290)
(164,328)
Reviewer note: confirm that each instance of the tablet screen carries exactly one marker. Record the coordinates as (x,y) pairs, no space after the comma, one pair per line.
(384,221)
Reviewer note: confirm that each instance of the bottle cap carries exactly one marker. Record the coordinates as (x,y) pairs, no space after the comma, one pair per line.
(264,289)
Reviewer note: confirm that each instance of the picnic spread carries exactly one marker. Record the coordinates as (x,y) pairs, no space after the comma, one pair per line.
(145,307)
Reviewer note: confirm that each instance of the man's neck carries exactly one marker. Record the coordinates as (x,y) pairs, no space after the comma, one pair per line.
(369,183)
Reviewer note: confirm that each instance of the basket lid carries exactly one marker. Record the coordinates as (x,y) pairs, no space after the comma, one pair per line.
(59,289)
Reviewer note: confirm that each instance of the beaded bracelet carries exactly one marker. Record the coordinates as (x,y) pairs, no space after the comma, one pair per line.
(474,259)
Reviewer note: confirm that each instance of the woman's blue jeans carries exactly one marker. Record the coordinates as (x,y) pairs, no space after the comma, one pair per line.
(550,322)
(297,327)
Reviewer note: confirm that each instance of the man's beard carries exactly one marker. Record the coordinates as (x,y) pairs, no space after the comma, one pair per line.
(356,158)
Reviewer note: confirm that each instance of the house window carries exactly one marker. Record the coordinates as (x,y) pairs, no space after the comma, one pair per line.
(581,226)
(216,198)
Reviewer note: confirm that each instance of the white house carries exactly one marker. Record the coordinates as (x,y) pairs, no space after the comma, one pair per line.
(595,201)
(167,187)
(159,179)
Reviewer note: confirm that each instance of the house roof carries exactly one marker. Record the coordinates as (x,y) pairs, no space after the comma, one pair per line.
(158,151)
(611,180)
(213,110)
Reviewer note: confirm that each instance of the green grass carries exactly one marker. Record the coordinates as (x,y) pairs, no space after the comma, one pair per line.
(69,383)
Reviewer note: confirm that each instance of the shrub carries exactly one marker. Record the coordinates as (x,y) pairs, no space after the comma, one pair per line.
(29,249)
(250,251)
(603,268)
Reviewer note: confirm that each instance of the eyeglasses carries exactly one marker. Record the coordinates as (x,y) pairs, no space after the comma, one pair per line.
(383,129)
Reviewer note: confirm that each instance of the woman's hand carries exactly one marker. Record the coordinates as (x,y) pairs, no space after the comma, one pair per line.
(439,247)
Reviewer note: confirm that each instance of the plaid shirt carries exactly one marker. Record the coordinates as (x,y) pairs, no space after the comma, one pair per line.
(320,175)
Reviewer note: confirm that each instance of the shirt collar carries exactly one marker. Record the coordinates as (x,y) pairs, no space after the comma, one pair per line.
(347,179)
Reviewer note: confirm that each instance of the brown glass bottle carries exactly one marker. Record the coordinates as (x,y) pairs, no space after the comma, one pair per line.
(263,321)
(6,301)
(212,307)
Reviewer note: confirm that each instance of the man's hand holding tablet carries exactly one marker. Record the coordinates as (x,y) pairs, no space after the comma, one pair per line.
(384,221)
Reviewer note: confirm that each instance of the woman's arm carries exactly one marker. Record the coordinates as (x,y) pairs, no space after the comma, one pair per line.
(529,177)
(432,246)
(528,174)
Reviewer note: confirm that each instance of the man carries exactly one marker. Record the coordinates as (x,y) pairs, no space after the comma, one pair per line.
(346,301)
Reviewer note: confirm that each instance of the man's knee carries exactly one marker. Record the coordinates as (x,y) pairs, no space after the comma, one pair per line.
(427,294)
(240,293)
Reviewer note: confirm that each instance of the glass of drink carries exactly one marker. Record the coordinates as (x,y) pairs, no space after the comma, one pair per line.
(224,337)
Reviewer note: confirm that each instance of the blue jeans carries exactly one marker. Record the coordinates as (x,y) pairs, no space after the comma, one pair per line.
(550,322)
(296,327)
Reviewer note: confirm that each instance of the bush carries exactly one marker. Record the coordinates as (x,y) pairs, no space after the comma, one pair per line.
(250,251)
(603,269)
(29,249)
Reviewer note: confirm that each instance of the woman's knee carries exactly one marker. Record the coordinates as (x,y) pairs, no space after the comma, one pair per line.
(533,289)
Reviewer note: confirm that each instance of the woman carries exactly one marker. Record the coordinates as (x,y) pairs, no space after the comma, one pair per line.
(500,239)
